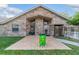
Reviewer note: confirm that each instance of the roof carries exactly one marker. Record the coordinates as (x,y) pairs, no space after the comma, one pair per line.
(52,11)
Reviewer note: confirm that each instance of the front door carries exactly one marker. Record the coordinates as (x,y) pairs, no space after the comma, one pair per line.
(32,28)
(46,28)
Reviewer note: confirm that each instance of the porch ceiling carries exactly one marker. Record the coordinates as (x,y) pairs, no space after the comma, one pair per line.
(39,16)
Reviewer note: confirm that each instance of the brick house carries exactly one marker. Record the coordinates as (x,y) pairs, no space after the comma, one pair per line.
(39,20)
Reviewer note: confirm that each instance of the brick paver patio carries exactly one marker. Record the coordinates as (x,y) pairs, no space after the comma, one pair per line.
(32,43)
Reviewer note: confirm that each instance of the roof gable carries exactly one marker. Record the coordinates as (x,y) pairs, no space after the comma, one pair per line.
(42,7)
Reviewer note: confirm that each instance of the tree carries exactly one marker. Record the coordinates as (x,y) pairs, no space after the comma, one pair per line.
(75,19)
(64,14)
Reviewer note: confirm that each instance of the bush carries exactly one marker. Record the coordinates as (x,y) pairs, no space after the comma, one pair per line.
(31,33)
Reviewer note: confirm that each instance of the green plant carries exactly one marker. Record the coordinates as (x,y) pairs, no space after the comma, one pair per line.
(31,33)
(74,20)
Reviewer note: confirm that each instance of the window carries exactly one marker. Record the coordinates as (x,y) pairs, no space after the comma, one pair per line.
(15,28)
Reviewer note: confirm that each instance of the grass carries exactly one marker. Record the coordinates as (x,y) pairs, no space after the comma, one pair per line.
(69,39)
(74,51)
(7,41)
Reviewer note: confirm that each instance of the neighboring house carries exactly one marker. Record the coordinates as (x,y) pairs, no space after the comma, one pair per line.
(39,20)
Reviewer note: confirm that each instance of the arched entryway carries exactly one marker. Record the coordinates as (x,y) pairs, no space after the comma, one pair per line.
(39,25)
(32,27)
(46,24)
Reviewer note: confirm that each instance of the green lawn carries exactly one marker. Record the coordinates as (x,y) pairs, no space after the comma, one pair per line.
(74,51)
(7,41)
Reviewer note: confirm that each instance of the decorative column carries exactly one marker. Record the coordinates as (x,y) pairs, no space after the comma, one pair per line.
(39,26)
(27,27)
(52,27)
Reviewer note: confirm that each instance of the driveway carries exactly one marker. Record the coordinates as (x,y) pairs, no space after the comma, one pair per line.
(32,43)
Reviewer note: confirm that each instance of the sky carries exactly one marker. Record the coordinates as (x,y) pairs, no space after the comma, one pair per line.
(56,7)
(11,10)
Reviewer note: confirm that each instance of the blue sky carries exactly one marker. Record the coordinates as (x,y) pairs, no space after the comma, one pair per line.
(56,7)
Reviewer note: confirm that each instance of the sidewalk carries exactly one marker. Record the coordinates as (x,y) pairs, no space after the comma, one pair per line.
(32,43)
(68,42)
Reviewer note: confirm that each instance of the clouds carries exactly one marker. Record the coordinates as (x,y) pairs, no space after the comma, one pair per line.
(3,5)
(7,12)
(75,6)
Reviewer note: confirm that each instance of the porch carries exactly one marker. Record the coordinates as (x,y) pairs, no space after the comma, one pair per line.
(43,25)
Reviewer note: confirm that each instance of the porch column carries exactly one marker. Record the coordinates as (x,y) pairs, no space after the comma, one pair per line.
(52,27)
(27,27)
(38,26)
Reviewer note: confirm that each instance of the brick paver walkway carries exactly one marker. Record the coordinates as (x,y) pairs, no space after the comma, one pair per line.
(32,43)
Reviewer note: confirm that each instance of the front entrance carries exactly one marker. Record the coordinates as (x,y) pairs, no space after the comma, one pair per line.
(39,25)
(32,27)
(58,30)
(46,27)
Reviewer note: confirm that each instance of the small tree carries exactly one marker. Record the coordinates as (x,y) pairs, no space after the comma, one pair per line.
(74,20)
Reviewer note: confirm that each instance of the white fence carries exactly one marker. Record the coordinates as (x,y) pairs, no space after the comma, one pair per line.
(72,32)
